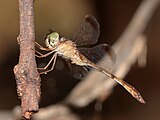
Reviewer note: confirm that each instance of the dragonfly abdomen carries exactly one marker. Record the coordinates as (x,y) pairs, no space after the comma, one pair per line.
(128,87)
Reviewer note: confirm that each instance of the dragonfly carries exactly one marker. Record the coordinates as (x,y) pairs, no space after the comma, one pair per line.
(80,58)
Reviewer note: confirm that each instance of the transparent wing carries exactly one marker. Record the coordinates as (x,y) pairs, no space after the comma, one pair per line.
(96,53)
(88,32)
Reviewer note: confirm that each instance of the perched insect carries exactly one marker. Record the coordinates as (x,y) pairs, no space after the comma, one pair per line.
(81,59)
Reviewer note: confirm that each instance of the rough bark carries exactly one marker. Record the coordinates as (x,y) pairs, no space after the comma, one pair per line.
(27,77)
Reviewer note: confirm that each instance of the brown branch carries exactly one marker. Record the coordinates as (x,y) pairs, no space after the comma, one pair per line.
(27,77)
(56,112)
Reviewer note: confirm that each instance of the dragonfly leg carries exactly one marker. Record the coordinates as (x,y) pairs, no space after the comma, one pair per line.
(38,53)
(43,55)
(41,47)
(44,68)
(54,61)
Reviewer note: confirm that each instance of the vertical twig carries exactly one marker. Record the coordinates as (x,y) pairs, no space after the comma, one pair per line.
(27,77)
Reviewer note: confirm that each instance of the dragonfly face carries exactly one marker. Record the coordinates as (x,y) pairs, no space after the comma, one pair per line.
(52,40)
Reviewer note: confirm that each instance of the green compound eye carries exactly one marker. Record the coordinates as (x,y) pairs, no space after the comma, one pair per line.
(53,38)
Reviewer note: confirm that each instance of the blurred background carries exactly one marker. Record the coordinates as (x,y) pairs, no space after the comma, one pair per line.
(64,16)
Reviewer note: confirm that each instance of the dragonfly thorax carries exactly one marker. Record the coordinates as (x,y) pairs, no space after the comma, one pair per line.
(52,40)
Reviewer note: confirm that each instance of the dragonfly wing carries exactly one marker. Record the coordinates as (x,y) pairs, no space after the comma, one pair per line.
(96,54)
(76,71)
(88,32)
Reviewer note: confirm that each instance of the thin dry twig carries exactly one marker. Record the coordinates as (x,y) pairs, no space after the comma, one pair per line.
(27,77)
(56,112)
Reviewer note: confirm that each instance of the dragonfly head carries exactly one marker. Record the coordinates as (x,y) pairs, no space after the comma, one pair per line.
(52,40)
